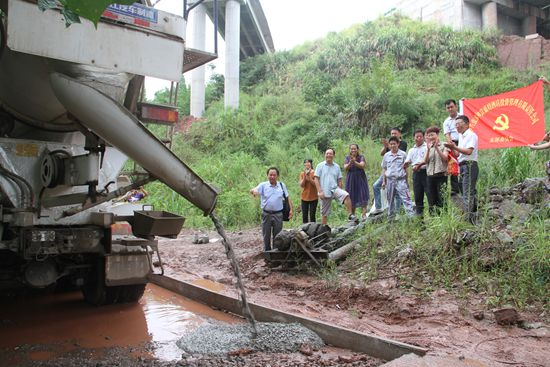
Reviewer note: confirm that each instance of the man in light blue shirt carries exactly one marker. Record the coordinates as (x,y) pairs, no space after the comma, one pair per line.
(271,201)
(328,180)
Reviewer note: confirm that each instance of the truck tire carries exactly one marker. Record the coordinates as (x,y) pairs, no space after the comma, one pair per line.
(95,291)
(130,293)
(98,294)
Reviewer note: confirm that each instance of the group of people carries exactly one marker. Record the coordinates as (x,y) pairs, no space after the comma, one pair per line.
(432,163)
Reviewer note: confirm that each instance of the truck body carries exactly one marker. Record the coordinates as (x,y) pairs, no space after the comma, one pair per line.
(68,106)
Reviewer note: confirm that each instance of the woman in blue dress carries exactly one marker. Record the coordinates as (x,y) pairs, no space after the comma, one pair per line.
(356,180)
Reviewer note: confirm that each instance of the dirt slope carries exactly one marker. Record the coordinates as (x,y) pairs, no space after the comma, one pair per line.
(442,323)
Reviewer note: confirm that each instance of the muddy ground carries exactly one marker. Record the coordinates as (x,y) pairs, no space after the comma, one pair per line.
(441,322)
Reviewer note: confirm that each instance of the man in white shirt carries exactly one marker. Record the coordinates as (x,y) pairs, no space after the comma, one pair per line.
(420,181)
(328,180)
(467,160)
(451,135)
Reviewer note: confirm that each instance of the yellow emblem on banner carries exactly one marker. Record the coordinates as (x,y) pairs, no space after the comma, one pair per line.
(502,122)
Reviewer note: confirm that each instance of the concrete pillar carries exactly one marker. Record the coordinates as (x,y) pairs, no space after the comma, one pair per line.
(529,25)
(198,17)
(232,46)
(489,16)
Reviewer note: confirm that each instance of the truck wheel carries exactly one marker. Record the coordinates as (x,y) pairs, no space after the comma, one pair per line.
(130,293)
(95,291)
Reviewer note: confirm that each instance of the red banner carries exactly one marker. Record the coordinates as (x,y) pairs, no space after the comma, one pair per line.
(510,119)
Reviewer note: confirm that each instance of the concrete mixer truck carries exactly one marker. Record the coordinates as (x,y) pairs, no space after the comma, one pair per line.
(68,106)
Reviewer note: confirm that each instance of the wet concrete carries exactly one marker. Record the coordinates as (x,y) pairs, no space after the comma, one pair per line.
(40,327)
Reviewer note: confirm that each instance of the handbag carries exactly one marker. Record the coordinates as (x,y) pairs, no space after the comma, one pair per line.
(286,206)
(452,166)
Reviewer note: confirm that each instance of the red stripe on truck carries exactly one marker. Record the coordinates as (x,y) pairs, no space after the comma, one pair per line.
(141,22)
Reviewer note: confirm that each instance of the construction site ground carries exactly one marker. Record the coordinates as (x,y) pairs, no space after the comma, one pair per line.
(448,325)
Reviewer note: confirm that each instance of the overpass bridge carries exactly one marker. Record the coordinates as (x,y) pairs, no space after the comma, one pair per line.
(244,27)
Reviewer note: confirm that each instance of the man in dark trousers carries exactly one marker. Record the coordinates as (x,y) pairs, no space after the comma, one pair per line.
(271,194)
(451,135)
(469,170)
(415,157)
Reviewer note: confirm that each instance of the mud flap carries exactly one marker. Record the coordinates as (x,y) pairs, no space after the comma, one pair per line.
(126,269)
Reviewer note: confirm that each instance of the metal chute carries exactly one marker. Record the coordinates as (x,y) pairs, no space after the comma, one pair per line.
(117,126)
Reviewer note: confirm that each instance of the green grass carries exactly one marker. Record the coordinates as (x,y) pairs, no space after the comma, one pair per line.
(352,87)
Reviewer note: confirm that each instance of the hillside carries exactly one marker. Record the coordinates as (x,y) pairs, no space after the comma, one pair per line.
(351,87)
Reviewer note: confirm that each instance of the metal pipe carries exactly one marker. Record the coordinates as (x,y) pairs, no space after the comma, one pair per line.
(17,182)
(117,126)
(18,178)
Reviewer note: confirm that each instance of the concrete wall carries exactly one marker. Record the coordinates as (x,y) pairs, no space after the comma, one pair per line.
(446,12)
(519,53)
(510,25)
(460,14)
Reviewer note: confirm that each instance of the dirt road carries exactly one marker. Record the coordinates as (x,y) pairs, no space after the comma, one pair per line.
(442,322)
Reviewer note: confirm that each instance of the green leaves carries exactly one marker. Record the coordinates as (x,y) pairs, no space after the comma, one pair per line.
(72,10)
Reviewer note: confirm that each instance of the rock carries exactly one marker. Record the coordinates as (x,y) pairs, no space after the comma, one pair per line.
(405,253)
(479,315)
(258,272)
(300,293)
(534,190)
(506,316)
(494,190)
(529,326)
(202,239)
(265,287)
(345,359)
(306,350)
(504,237)
(497,198)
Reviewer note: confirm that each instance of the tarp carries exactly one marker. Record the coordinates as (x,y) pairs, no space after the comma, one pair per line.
(510,119)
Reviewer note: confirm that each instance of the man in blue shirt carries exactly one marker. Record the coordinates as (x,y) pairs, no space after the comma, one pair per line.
(271,202)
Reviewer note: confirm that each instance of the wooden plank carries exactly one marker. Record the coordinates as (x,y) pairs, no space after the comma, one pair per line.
(339,337)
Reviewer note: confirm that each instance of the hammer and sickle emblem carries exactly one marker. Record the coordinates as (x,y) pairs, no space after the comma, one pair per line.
(502,122)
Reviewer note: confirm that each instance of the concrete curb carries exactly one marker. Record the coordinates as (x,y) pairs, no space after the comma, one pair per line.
(339,337)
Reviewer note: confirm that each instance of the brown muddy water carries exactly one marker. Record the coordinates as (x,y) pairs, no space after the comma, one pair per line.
(46,326)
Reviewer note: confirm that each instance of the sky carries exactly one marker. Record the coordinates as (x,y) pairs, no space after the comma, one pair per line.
(291,22)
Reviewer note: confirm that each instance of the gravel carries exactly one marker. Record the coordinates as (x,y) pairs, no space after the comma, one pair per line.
(272,338)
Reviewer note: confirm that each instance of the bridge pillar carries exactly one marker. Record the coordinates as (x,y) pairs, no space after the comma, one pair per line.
(197,75)
(232,47)
(529,25)
(489,15)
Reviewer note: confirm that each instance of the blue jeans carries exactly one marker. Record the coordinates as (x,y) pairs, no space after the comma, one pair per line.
(376,187)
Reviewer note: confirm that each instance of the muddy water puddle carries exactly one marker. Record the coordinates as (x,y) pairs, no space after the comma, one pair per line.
(44,326)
